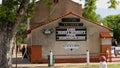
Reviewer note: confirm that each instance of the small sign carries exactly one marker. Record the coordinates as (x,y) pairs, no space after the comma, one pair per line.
(71,46)
(70,19)
(47,31)
(70,24)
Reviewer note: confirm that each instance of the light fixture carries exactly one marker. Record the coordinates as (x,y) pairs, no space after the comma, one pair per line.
(47,31)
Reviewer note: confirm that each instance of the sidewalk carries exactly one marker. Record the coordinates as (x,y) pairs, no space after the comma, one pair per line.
(19,59)
(25,63)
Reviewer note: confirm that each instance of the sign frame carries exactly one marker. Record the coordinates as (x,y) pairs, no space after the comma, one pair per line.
(77,34)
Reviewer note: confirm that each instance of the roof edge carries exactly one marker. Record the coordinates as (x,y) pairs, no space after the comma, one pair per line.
(49,21)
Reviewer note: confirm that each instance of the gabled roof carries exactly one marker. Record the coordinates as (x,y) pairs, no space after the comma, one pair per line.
(50,21)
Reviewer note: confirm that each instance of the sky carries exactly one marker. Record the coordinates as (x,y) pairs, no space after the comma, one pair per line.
(102,7)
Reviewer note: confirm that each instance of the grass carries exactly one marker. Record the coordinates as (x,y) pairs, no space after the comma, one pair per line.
(87,66)
(114,66)
(76,66)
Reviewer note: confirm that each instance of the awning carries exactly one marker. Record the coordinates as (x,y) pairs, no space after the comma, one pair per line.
(105,35)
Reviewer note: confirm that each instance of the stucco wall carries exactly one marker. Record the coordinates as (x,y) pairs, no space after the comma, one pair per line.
(49,42)
(43,12)
(106,41)
(29,40)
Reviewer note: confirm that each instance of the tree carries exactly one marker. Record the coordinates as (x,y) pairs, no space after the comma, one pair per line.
(113,21)
(110,21)
(90,7)
(89,11)
(113,3)
(12,13)
(20,38)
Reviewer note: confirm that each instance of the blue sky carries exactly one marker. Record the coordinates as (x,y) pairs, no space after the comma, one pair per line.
(102,7)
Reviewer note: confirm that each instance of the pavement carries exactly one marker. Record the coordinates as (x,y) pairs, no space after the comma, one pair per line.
(21,62)
(25,63)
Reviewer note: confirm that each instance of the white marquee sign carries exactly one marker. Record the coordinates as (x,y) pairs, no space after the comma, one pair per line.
(72,34)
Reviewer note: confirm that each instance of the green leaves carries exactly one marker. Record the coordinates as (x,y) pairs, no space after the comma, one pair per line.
(48,2)
(113,21)
(31,8)
(113,3)
(21,33)
(2,13)
(90,5)
(89,11)
(8,11)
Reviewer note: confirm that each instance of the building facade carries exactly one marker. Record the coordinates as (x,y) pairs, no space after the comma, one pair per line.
(67,34)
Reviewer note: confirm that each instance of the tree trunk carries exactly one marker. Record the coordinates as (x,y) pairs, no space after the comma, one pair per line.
(5,51)
(7,34)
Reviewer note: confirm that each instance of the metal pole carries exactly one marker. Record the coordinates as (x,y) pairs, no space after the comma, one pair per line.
(16,50)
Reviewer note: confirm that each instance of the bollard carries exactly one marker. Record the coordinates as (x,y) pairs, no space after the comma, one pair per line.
(88,57)
(50,59)
(103,63)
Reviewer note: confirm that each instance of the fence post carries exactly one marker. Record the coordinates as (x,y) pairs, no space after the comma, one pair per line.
(107,54)
(103,63)
(88,57)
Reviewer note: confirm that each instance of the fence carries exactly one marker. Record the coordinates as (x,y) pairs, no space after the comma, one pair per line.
(94,57)
(115,58)
(88,57)
(80,58)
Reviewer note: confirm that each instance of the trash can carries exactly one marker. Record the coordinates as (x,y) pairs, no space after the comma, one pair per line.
(51,60)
